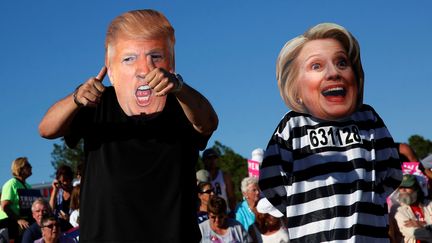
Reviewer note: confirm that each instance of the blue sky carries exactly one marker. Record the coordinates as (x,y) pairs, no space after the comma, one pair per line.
(225,49)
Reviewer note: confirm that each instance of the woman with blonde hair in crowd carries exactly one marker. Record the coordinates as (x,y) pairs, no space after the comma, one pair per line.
(10,215)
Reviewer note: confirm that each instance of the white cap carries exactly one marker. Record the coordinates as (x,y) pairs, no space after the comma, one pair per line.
(264,206)
(258,155)
(203,176)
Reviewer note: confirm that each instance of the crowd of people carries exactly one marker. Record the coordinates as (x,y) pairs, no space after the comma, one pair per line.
(48,220)
(331,171)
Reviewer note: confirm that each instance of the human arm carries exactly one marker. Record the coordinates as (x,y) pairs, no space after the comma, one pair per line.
(58,118)
(406,222)
(230,191)
(5,204)
(53,196)
(196,107)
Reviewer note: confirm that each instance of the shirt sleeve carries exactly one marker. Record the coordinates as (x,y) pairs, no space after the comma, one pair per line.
(276,169)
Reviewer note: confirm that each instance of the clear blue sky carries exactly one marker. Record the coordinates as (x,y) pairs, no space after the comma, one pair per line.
(225,49)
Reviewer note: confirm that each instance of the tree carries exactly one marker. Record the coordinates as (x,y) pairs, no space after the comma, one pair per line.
(63,155)
(232,162)
(421,146)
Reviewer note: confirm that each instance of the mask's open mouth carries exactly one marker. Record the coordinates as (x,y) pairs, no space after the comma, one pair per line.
(143,94)
(335,91)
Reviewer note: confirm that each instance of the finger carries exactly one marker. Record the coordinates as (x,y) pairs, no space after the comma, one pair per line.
(150,63)
(99,86)
(101,74)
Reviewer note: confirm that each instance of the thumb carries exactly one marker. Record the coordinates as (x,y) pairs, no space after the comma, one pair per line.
(101,74)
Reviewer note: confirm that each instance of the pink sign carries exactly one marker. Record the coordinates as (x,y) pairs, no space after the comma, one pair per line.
(253,168)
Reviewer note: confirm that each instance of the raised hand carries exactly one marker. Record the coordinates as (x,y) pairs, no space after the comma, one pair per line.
(160,80)
(89,93)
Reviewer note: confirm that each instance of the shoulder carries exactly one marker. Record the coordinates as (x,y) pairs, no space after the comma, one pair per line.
(234,223)
(204,225)
(12,183)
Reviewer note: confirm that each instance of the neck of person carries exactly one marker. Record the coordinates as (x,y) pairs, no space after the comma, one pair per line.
(20,178)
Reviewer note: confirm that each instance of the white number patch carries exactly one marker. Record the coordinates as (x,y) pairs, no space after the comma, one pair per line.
(333,136)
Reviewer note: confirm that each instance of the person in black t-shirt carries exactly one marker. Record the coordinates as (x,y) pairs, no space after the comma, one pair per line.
(142,137)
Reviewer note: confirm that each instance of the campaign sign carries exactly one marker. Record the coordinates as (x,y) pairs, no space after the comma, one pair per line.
(253,168)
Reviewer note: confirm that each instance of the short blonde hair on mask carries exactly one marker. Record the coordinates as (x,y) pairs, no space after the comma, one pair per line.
(140,24)
(18,165)
(287,70)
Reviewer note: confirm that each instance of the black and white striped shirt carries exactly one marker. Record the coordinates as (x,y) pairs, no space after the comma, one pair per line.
(331,178)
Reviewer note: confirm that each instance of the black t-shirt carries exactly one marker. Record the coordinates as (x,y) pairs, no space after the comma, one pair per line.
(139,175)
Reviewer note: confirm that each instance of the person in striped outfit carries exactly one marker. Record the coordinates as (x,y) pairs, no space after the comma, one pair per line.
(331,162)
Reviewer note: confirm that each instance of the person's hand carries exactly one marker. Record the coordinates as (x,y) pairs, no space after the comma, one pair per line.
(414,223)
(89,93)
(63,215)
(23,223)
(55,184)
(160,80)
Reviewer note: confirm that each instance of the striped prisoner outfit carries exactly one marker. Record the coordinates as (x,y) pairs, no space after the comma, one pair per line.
(331,178)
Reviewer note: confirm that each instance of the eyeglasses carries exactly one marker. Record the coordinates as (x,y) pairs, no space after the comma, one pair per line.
(208,191)
(51,226)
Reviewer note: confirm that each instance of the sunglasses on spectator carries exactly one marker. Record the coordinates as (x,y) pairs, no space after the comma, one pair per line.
(51,226)
(208,191)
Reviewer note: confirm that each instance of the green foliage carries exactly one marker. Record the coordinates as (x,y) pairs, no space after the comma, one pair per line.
(63,155)
(421,146)
(231,162)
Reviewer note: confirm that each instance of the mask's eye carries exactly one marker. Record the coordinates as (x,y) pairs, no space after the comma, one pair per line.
(315,66)
(342,63)
(128,59)
(156,57)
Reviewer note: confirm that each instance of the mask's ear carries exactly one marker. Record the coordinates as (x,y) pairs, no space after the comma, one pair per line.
(109,70)
(111,78)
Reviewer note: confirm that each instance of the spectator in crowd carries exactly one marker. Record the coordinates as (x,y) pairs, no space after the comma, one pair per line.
(406,154)
(61,195)
(74,206)
(148,126)
(219,227)
(414,213)
(10,215)
(51,232)
(244,212)
(205,192)
(426,168)
(331,160)
(39,207)
(222,181)
(269,225)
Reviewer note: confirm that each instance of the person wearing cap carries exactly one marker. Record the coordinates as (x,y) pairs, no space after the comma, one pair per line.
(142,136)
(414,214)
(222,181)
(269,225)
